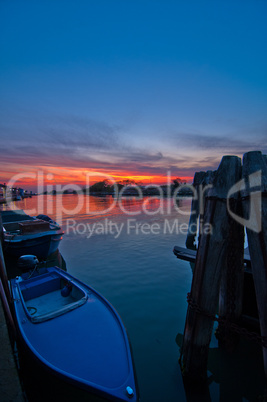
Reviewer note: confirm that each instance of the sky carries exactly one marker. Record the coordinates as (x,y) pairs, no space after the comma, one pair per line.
(129,88)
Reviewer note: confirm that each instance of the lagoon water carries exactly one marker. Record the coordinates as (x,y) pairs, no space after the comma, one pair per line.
(123,249)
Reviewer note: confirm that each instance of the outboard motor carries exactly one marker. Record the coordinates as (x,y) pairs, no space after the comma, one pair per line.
(27,263)
(45,218)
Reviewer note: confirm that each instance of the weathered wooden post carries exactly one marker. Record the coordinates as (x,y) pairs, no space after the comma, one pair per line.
(193,222)
(3,273)
(4,288)
(254,202)
(232,281)
(210,263)
(207,182)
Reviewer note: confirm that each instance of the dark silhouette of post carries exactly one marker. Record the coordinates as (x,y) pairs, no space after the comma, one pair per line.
(254,196)
(232,281)
(4,288)
(201,180)
(3,273)
(211,262)
(193,221)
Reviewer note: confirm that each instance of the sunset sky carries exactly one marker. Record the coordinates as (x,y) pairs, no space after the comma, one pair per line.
(129,88)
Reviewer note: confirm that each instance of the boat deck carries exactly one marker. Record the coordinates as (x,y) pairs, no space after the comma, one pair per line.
(48,303)
(43,298)
(87,346)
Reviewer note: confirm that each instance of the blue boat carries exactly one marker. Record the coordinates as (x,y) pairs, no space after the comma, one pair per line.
(24,234)
(74,332)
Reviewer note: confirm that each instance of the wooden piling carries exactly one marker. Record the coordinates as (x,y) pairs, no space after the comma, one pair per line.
(10,386)
(210,264)
(201,180)
(4,288)
(232,281)
(3,272)
(254,196)
(193,222)
(207,182)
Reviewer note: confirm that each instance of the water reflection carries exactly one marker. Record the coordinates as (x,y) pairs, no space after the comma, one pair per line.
(138,273)
(240,373)
(62,207)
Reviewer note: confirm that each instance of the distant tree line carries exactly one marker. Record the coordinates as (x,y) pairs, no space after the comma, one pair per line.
(129,187)
(106,187)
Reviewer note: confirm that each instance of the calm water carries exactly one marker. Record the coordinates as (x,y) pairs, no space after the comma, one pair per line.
(124,250)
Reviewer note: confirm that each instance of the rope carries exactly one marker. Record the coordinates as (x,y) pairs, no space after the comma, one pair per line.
(253,336)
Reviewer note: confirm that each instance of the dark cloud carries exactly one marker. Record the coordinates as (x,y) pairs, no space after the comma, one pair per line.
(227,143)
(80,132)
(47,139)
(77,142)
(237,141)
(62,134)
(72,141)
(141,156)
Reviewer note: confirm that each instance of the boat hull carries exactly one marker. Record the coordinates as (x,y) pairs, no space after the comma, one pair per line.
(86,346)
(24,234)
(41,246)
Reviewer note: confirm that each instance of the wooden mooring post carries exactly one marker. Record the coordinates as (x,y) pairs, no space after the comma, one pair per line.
(254,202)
(232,281)
(193,222)
(201,181)
(211,262)
(4,287)
(3,272)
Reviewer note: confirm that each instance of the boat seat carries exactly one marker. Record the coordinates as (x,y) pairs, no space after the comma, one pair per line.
(43,298)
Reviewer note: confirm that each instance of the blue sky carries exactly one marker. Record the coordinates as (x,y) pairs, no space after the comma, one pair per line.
(131,87)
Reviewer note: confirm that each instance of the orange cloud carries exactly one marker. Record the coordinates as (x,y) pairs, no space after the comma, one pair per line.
(33,177)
